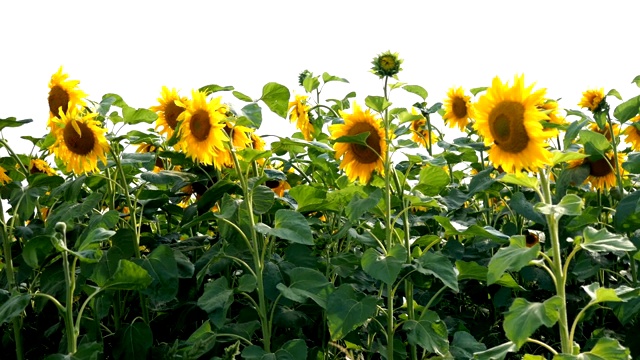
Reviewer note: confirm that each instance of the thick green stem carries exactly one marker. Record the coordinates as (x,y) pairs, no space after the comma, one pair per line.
(258,258)
(616,163)
(557,267)
(69,279)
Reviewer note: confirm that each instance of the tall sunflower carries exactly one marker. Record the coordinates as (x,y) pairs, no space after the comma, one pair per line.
(508,118)
(359,161)
(458,109)
(299,112)
(62,94)
(168,110)
(591,99)
(601,170)
(4,178)
(419,132)
(79,141)
(202,137)
(633,133)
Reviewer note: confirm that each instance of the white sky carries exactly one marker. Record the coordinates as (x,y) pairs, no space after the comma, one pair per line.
(133,48)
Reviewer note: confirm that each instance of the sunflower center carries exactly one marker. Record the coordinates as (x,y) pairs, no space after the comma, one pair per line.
(171,113)
(58,98)
(506,122)
(80,144)
(200,125)
(459,107)
(387,62)
(366,154)
(600,168)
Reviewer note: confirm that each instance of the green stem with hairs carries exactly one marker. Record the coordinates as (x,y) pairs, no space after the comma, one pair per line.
(616,163)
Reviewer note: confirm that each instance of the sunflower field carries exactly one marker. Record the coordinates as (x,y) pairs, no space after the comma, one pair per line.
(186,230)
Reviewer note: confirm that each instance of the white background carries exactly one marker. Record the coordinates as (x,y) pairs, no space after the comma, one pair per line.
(133,48)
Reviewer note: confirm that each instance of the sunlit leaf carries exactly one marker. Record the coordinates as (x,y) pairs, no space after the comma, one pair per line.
(454,228)
(12,122)
(128,276)
(377,103)
(604,241)
(570,204)
(512,258)
(627,109)
(523,318)
(520,179)
(241,96)
(477,90)
(289,225)
(328,78)
(417,89)
(276,97)
(210,89)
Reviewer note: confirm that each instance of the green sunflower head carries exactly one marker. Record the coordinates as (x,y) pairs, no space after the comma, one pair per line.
(386,64)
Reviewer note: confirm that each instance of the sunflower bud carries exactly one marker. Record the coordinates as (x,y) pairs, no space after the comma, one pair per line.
(386,64)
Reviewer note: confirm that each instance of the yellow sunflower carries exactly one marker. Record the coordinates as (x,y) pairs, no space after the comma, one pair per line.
(601,171)
(168,111)
(79,141)
(633,134)
(458,109)
(299,112)
(359,161)
(508,118)
(38,166)
(606,131)
(240,139)
(202,137)
(62,94)
(419,133)
(4,178)
(591,99)
(257,142)
(150,148)
(278,186)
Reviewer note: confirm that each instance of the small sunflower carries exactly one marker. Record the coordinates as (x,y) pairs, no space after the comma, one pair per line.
(359,161)
(601,171)
(386,64)
(458,109)
(168,111)
(508,118)
(592,99)
(4,178)
(240,139)
(257,142)
(38,166)
(201,134)
(633,134)
(62,94)
(299,112)
(550,107)
(151,148)
(606,131)
(278,186)
(419,133)
(79,141)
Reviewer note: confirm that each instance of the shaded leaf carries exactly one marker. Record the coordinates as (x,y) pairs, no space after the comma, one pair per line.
(439,266)
(346,311)
(384,267)
(604,241)
(134,341)
(523,318)
(512,258)
(289,225)
(429,332)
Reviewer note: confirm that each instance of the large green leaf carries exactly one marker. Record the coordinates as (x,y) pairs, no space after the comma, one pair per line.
(384,267)
(161,265)
(358,205)
(128,276)
(263,199)
(133,341)
(433,179)
(439,266)
(523,318)
(605,349)
(464,345)
(512,258)
(627,109)
(216,300)
(306,283)
(627,215)
(496,353)
(377,103)
(604,241)
(135,116)
(276,97)
(429,332)
(309,198)
(454,228)
(523,207)
(619,294)
(473,270)
(417,89)
(521,180)
(292,350)
(13,307)
(37,249)
(12,122)
(570,204)
(289,225)
(346,311)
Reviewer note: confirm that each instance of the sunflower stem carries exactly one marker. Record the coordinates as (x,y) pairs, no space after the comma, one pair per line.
(614,142)
(69,279)
(557,267)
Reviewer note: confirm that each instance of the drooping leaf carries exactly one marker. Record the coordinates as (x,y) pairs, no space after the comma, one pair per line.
(358,205)
(627,215)
(497,352)
(570,204)
(128,276)
(433,179)
(605,349)
(523,207)
(12,122)
(13,307)
(454,228)
(289,225)
(276,97)
(524,318)
(306,284)
(438,265)
(417,89)
(627,109)
(464,345)
(210,89)
(134,341)
(346,311)
(384,267)
(604,241)
(377,103)
(429,332)
(292,350)
(161,265)
(216,300)
(519,179)
(512,258)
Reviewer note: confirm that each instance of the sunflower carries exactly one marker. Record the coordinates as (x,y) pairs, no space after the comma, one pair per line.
(257,142)
(601,170)
(79,141)
(458,109)
(300,114)
(201,135)
(278,186)
(591,99)
(4,178)
(359,161)
(633,134)
(38,166)
(151,148)
(508,118)
(62,94)
(419,133)
(240,139)
(168,111)
(606,131)
(386,64)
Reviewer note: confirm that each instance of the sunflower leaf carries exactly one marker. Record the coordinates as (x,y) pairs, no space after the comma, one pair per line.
(477,90)
(627,109)
(276,97)
(522,180)
(210,89)
(524,318)
(12,122)
(377,103)
(328,78)
(513,258)
(241,96)
(604,241)
(136,116)
(360,139)
(417,89)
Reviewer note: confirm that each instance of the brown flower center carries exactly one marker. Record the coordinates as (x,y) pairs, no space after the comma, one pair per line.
(459,107)
(600,168)
(171,113)
(80,144)
(506,122)
(366,154)
(387,62)
(58,98)
(200,125)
